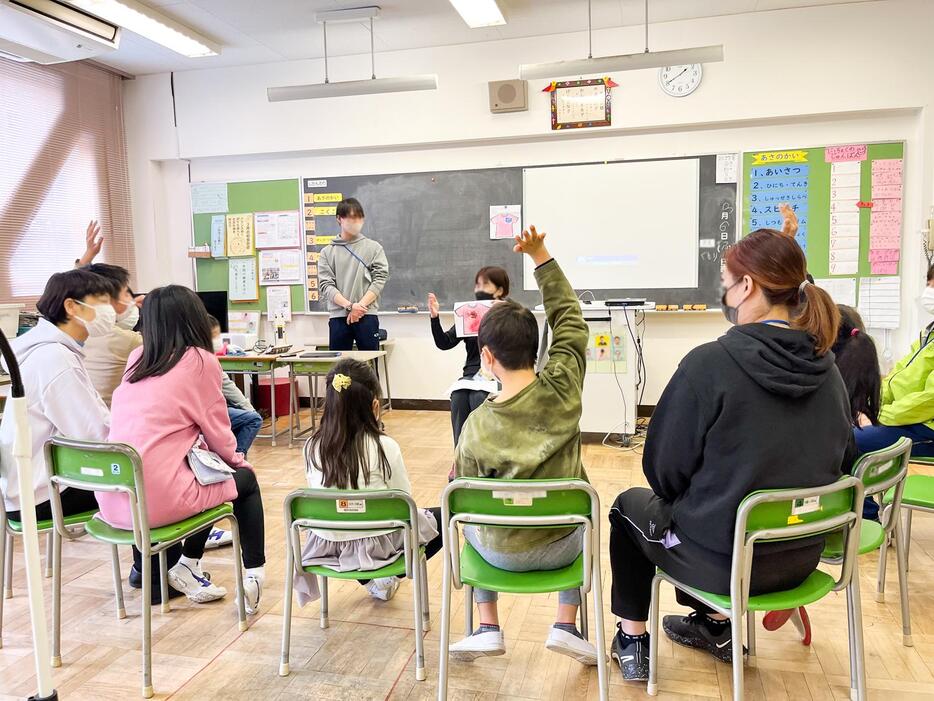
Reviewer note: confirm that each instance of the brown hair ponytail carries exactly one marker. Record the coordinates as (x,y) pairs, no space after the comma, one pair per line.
(777,264)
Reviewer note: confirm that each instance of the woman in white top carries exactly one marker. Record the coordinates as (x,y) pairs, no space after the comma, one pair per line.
(61,399)
(350,451)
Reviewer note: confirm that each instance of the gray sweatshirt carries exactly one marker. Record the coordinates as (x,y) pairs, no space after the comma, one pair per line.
(233,395)
(340,272)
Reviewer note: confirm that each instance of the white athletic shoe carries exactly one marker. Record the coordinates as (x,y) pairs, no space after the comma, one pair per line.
(218,539)
(565,643)
(252,589)
(383,588)
(488,644)
(194,585)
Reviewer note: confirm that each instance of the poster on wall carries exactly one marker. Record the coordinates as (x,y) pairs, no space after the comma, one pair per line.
(208,198)
(277,229)
(242,281)
(606,352)
(279,302)
(281,267)
(240,239)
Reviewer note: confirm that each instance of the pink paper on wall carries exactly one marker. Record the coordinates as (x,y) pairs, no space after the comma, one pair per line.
(882,242)
(882,164)
(887,177)
(884,191)
(891,204)
(885,268)
(893,218)
(847,152)
(884,255)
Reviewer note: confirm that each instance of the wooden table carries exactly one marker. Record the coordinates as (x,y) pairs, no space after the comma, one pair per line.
(312,368)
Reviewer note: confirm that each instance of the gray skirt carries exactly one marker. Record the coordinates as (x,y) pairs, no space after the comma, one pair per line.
(367,554)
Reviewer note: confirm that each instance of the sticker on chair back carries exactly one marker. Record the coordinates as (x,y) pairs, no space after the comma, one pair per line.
(519,498)
(803,506)
(351,506)
(115,468)
(92,471)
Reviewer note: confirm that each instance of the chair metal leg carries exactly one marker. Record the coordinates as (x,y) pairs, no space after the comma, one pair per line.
(583,616)
(324,601)
(652,689)
(164,581)
(855,628)
(468,609)
(2,574)
(736,632)
(908,513)
(234,526)
(444,639)
(901,553)
(8,567)
(56,599)
(147,625)
(418,583)
(426,609)
(287,611)
(118,582)
(883,552)
(49,547)
(751,638)
(597,588)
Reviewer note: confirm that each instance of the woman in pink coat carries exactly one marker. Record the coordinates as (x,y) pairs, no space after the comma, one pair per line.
(171,395)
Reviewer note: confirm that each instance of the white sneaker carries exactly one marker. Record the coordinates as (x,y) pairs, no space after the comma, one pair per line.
(565,643)
(194,585)
(488,644)
(218,539)
(383,588)
(252,589)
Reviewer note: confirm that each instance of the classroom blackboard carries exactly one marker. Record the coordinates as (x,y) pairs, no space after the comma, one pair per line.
(433,226)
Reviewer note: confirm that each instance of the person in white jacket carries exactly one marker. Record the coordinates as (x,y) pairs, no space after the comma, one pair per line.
(61,399)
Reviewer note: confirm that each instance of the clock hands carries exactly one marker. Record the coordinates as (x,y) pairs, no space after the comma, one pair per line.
(676,77)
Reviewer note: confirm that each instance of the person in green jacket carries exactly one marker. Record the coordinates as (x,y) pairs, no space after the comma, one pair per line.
(907,407)
(530,430)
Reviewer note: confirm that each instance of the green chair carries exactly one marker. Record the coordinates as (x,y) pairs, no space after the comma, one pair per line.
(917,496)
(114,467)
(777,515)
(356,510)
(500,503)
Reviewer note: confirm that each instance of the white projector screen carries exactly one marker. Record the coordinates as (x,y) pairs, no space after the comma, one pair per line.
(614,226)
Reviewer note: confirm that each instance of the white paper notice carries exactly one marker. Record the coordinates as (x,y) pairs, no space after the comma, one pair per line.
(880,301)
(243,322)
(242,285)
(279,301)
(208,198)
(505,221)
(277,229)
(727,167)
(844,268)
(844,218)
(281,267)
(218,236)
(841,290)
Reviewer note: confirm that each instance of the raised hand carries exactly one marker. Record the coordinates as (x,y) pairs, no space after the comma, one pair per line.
(433,307)
(532,244)
(790,225)
(93,242)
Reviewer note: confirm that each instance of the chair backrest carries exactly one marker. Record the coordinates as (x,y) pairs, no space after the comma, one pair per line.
(796,514)
(98,467)
(884,469)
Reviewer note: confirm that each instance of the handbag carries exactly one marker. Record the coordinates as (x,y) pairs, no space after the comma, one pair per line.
(207,466)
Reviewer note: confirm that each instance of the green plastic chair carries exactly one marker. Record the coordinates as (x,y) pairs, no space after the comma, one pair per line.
(114,467)
(368,510)
(520,504)
(775,515)
(917,496)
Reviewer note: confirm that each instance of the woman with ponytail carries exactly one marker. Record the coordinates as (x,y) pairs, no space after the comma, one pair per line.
(763,407)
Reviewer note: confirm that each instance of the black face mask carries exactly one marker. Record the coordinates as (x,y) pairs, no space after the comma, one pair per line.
(731,313)
(483,296)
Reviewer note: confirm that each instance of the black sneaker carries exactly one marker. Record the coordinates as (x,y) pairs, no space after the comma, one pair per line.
(632,656)
(691,631)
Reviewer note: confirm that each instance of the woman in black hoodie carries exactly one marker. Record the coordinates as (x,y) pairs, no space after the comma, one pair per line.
(763,407)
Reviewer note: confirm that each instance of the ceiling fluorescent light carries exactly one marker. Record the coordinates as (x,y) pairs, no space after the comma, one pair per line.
(372,86)
(155,26)
(624,62)
(479,13)
(349,14)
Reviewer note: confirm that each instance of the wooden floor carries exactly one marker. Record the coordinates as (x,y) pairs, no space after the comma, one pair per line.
(367,653)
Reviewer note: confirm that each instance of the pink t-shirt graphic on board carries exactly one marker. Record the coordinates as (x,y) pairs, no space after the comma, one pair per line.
(469,315)
(505,225)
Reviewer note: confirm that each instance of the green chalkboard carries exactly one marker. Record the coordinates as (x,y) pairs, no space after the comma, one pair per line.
(802,177)
(243,197)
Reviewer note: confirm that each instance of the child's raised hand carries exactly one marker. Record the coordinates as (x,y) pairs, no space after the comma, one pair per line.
(790,225)
(532,244)
(433,306)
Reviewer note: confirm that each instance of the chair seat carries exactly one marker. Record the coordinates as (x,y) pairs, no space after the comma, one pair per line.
(393,569)
(871,535)
(47,525)
(477,572)
(815,587)
(919,490)
(118,536)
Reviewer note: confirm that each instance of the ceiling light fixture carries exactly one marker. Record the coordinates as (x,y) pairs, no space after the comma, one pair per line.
(372,86)
(155,26)
(479,13)
(624,62)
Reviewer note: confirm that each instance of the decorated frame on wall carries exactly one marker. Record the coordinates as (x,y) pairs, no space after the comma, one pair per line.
(578,104)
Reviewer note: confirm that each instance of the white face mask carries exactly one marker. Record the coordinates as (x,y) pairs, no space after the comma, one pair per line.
(927,300)
(352,227)
(218,344)
(129,318)
(103,321)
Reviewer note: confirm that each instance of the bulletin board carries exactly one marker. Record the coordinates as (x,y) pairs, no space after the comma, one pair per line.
(274,196)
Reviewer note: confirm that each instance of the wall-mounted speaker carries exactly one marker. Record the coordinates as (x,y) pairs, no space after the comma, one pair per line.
(509,96)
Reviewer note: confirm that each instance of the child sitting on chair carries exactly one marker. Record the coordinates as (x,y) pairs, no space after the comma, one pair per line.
(350,451)
(531,430)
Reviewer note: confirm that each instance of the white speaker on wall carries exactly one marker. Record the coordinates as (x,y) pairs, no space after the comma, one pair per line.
(509,96)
